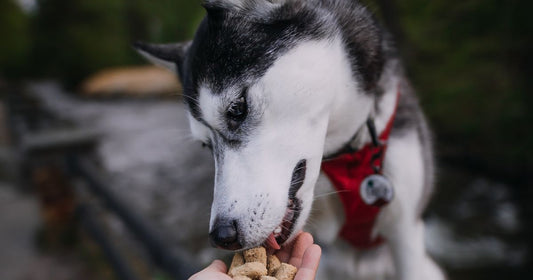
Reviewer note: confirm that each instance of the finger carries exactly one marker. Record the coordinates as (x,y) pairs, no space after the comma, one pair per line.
(215,266)
(218,266)
(285,253)
(310,262)
(215,271)
(304,241)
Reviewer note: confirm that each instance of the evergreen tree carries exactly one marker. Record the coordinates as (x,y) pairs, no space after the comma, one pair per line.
(76,38)
(15,44)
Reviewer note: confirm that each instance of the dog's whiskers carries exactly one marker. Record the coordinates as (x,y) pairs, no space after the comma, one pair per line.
(300,168)
(297,182)
(329,193)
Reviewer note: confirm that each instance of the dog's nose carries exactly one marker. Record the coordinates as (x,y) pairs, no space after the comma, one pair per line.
(225,235)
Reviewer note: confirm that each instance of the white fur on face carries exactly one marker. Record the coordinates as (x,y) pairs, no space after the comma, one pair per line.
(295,100)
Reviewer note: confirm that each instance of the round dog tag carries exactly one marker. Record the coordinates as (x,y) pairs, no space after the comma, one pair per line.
(376,190)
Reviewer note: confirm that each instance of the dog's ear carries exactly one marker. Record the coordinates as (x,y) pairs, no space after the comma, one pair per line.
(253,7)
(240,3)
(170,56)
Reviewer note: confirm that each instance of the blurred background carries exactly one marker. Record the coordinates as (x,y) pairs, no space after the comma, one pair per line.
(98,173)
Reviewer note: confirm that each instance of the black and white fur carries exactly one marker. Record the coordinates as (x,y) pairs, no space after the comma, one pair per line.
(311,72)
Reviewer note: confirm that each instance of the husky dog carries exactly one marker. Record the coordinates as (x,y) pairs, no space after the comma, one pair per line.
(274,87)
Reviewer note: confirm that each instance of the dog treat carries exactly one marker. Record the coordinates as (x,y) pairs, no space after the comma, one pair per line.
(251,269)
(273,264)
(238,260)
(257,254)
(286,272)
(255,264)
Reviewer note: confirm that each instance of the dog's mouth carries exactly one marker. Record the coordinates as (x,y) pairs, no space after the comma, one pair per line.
(283,231)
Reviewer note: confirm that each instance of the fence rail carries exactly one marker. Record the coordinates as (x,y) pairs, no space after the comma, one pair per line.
(176,266)
(71,148)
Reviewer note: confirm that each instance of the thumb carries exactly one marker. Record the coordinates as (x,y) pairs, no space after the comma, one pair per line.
(216,266)
(215,271)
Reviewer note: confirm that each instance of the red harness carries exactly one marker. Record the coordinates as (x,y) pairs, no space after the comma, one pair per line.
(347,172)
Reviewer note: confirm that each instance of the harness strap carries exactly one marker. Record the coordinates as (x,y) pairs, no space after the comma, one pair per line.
(347,172)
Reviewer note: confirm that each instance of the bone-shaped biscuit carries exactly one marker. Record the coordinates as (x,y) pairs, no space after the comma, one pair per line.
(257,254)
(238,260)
(256,264)
(286,272)
(273,264)
(251,269)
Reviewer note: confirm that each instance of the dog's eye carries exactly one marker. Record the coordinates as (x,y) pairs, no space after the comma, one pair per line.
(237,112)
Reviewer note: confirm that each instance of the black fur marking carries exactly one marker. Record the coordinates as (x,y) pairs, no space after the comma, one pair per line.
(363,40)
(408,115)
(294,204)
(298,178)
(224,142)
(237,111)
(231,49)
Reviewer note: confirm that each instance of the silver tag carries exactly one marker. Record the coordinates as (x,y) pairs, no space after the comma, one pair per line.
(376,190)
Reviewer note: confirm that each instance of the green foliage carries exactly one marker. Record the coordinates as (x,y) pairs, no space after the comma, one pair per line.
(15,45)
(164,20)
(467,60)
(76,38)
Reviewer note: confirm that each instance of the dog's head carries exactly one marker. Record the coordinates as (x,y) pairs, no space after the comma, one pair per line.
(261,79)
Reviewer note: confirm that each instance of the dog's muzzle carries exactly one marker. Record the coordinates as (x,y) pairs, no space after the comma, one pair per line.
(225,235)
(282,233)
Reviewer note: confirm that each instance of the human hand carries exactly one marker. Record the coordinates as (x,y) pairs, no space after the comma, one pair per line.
(301,253)
(215,271)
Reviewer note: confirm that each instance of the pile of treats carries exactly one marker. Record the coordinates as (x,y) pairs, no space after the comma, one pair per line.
(254,264)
